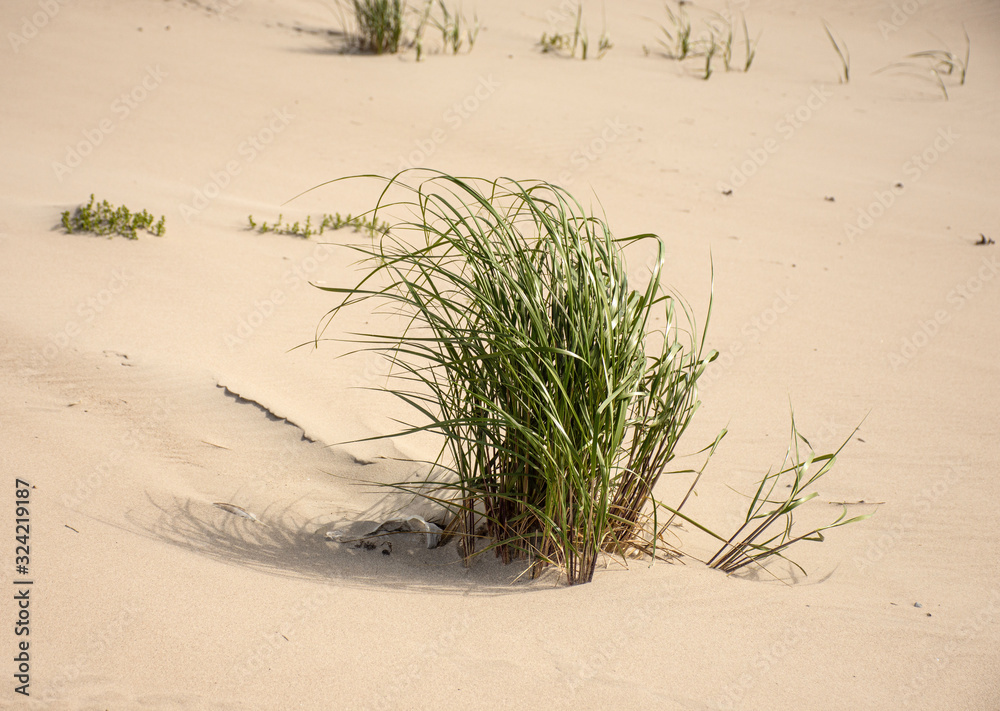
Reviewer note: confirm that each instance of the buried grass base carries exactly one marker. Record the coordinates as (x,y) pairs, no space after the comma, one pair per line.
(558,402)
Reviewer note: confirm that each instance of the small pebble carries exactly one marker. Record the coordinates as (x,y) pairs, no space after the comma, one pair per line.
(917,604)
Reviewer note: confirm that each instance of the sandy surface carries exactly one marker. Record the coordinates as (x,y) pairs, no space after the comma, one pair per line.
(130,369)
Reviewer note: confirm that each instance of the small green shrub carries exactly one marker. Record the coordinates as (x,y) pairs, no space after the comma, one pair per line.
(102,218)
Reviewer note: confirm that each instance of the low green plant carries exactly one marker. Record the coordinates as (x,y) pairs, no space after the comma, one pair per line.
(306,229)
(843,53)
(527,350)
(102,218)
(568,44)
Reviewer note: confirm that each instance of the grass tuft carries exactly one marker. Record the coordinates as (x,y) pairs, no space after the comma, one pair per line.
(383,26)
(567,44)
(679,42)
(449,23)
(558,403)
(938,63)
(102,218)
(379,25)
(756,540)
(526,352)
(843,53)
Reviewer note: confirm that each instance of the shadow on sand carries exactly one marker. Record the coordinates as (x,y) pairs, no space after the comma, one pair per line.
(280,543)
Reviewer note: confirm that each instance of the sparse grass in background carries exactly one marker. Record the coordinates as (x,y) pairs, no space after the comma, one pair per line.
(679,43)
(390,26)
(307,229)
(559,403)
(843,53)
(708,60)
(379,25)
(751,47)
(449,23)
(939,63)
(102,218)
(568,44)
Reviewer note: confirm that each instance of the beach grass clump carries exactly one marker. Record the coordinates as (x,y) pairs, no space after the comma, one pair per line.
(102,218)
(559,388)
(526,351)
(379,25)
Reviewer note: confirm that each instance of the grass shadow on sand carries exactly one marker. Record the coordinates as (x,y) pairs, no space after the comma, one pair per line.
(283,544)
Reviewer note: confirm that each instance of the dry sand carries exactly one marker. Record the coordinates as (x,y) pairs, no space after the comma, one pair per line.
(114,355)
